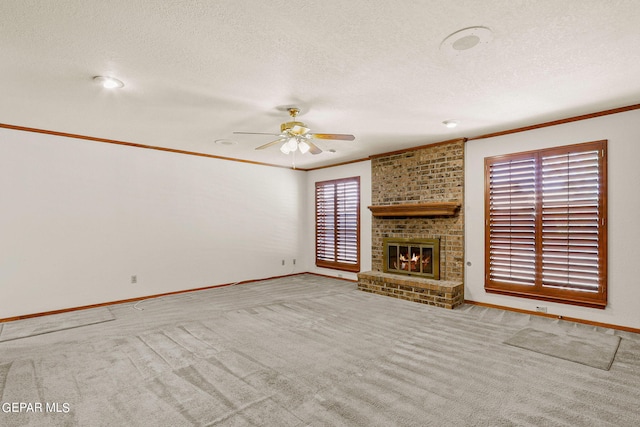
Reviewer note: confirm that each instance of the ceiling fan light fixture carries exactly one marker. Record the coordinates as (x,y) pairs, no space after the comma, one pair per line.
(285,148)
(292,144)
(303,147)
(108,82)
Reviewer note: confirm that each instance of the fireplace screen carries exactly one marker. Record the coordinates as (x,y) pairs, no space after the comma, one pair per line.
(416,257)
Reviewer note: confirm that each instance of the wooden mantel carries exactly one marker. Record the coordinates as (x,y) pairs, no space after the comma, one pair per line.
(416,209)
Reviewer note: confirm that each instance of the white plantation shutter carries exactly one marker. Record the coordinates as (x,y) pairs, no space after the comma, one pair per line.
(338,224)
(546,224)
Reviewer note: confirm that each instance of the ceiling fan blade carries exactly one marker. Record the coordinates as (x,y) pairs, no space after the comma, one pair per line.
(256,133)
(269,144)
(340,136)
(313,148)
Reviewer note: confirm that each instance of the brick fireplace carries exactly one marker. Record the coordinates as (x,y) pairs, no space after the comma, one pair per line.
(418,195)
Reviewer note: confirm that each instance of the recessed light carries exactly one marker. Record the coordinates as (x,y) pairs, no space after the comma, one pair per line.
(225,142)
(451,123)
(332,151)
(108,82)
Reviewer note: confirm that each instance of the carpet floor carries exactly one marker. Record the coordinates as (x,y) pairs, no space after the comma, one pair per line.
(53,323)
(308,351)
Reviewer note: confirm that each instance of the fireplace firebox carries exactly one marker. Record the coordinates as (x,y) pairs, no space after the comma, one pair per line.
(414,257)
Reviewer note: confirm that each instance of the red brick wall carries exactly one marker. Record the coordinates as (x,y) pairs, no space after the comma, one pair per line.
(433,173)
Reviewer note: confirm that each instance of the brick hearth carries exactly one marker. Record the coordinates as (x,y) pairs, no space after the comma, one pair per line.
(440,293)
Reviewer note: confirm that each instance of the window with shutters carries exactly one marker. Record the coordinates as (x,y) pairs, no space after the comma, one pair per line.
(546,224)
(338,224)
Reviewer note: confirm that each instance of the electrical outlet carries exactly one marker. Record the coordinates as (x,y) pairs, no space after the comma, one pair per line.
(541,309)
(282,262)
(294,261)
(134,279)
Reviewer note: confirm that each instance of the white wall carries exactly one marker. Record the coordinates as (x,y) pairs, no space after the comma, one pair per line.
(363,170)
(623,133)
(79,218)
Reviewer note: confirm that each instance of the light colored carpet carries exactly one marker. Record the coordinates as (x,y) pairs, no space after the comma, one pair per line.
(53,323)
(590,348)
(311,351)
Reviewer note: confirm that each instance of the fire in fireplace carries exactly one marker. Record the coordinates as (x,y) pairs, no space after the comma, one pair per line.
(415,257)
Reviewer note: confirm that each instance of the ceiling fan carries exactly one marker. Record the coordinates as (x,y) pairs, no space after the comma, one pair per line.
(297,136)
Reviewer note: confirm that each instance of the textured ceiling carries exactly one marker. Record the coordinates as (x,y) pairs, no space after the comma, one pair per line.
(195,71)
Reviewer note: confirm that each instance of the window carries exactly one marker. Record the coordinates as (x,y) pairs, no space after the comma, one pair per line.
(546,224)
(338,224)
